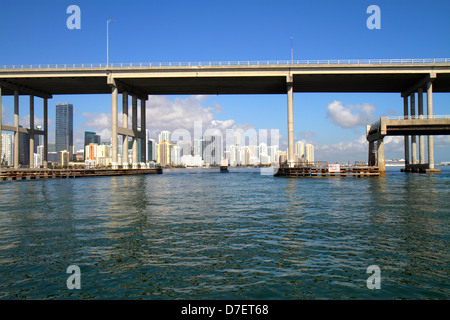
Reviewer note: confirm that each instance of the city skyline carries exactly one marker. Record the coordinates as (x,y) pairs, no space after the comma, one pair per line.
(205,150)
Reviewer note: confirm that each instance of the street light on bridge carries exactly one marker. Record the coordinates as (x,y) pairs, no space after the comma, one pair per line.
(107,41)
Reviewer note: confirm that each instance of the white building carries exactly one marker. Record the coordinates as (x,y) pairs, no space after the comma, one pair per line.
(299,150)
(212,153)
(191,161)
(7,152)
(272,153)
(176,155)
(164,136)
(309,153)
(199,146)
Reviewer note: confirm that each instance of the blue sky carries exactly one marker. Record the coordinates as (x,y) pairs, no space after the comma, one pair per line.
(35,32)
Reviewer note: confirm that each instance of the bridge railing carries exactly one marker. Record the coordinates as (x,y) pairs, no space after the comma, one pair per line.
(409,117)
(376,125)
(228,63)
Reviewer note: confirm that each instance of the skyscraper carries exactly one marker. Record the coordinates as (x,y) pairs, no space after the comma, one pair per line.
(24,148)
(91,137)
(213,150)
(164,153)
(151,153)
(64,127)
(299,151)
(199,147)
(7,152)
(165,136)
(309,153)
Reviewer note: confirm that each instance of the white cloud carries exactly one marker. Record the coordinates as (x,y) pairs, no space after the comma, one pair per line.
(441,141)
(351,116)
(179,116)
(358,145)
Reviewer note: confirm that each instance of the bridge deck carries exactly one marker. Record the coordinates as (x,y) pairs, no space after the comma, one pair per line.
(438,125)
(227,79)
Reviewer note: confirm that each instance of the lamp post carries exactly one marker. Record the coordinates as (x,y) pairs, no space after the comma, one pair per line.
(292,52)
(107,41)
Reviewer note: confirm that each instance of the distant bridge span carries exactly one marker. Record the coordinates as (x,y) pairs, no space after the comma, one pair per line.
(405,76)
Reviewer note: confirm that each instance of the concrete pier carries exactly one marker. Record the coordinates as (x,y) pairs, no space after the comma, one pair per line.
(421,137)
(16,129)
(413,137)
(32,174)
(32,131)
(114,118)
(45,160)
(125,125)
(143,134)
(290,118)
(381,163)
(134,127)
(406,138)
(430,113)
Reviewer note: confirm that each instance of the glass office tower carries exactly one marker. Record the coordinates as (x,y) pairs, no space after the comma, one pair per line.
(64,128)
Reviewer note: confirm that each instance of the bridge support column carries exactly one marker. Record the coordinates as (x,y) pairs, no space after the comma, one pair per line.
(16,127)
(371,160)
(125,125)
(413,138)
(380,156)
(143,132)
(290,116)
(134,126)
(45,160)
(31,131)
(114,117)
(405,111)
(421,138)
(430,113)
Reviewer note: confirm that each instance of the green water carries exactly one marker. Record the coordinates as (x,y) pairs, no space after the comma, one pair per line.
(201,234)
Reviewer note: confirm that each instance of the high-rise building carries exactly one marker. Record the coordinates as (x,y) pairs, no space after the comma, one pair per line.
(64,158)
(212,153)
(282,158)
(272,153)
(24,148)
(309,153)
(40,152)
(164,153)
(51,147)
(164,136)
(176,155)
(91,151)
(38,139)
(64,127)
(91,137)
(151,150)
(198,146)
(7,152)
(185,147)
(299,151)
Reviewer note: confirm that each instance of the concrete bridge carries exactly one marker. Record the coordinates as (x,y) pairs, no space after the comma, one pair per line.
(406,126)
(405,76)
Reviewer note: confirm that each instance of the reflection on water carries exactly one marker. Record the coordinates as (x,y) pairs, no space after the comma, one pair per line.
(201,234)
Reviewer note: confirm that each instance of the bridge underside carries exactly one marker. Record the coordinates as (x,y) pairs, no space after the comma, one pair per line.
(140,82)
(200,83)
